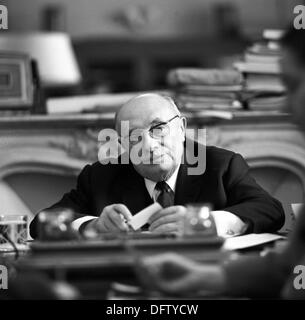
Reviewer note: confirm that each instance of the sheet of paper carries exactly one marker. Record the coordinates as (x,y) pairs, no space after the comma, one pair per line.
(250,240)
(142,217)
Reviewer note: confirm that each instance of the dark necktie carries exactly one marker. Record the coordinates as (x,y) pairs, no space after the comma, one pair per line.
(166,195)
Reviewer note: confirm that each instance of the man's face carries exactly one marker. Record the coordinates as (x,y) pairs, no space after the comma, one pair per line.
(152,139)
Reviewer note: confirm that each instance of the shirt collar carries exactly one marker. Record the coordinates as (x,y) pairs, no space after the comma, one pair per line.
(150,185)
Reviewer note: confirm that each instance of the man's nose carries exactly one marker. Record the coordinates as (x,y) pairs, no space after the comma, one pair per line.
(148,143)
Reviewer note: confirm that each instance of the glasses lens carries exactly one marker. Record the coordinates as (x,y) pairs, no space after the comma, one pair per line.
(159,131)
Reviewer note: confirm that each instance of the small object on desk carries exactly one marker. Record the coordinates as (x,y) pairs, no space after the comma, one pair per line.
(56,226)
(198,221)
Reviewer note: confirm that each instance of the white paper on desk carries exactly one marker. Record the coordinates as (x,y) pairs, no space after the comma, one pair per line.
(250,240)
(142,217)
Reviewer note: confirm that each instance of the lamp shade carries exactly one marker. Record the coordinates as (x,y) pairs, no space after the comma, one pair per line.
(57,63)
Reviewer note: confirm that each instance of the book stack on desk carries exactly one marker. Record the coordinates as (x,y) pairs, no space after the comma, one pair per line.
(211,90)
(263,89)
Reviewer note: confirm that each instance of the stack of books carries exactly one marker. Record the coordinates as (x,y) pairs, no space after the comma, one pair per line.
(215,91)
(263,88)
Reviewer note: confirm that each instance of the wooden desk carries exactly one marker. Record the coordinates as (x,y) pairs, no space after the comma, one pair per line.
(94,268)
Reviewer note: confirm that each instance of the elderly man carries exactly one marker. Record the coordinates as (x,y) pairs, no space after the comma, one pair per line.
(273,275)
(108,195)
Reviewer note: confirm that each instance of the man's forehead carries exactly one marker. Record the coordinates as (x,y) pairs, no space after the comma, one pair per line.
(146,111)
(149,119)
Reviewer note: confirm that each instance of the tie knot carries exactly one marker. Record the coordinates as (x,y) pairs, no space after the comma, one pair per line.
(163,186)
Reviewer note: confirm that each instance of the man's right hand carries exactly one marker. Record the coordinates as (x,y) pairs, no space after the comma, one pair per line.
(114,218)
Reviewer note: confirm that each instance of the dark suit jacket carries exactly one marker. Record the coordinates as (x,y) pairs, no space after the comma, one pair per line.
(226,184)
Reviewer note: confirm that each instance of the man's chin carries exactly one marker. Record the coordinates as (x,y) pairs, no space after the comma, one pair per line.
(155,171)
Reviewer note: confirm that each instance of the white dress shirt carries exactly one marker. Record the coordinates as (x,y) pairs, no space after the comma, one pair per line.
(151,185)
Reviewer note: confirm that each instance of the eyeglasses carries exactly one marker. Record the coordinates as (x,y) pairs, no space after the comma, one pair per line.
(156,131)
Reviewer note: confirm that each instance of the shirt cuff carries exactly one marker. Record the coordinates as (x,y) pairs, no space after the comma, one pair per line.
(228,224)
(76,224)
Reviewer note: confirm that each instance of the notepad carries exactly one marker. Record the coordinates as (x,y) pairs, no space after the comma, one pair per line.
(142,217)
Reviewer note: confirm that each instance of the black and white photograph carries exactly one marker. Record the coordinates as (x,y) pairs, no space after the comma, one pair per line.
(152,153)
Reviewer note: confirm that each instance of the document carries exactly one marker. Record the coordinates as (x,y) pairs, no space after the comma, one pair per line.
(142,217)
(250,240)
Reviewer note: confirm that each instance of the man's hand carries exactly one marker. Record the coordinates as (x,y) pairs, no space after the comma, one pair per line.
(114,218)
(174,274)
(168,220)
(228,224)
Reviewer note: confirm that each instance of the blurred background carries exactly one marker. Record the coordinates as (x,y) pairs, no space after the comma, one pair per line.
(127,45)
(88,57)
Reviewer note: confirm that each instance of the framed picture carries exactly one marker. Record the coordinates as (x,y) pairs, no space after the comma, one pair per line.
(16,81)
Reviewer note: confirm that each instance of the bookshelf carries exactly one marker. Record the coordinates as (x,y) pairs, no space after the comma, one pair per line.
(121,65)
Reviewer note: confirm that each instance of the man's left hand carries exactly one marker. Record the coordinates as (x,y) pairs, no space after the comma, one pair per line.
(168,220)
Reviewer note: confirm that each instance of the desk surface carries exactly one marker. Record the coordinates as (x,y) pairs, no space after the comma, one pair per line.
(96,272)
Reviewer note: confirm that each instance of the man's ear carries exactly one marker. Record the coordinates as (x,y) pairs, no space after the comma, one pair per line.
(183,126)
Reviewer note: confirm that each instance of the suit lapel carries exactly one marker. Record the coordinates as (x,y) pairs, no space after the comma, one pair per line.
(133,191)
(193,188)
(188,188)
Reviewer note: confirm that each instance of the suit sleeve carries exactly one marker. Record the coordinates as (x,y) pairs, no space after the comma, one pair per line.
(77,200)
(247,200)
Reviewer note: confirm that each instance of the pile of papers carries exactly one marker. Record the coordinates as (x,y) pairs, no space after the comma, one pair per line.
(198,89)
